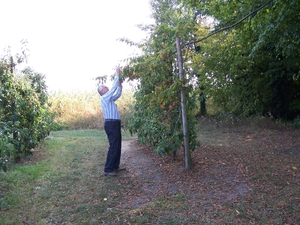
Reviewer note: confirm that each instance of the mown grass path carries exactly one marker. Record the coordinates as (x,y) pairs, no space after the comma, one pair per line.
(239,176)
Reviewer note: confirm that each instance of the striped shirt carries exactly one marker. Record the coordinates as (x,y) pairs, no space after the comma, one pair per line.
(107,101)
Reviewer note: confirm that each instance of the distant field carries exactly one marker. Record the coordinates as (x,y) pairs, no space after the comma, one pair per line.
(81,110)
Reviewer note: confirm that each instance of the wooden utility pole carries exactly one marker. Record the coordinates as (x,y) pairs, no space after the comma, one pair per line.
(187,154)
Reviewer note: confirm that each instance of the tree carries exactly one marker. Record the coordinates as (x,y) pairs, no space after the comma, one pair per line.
(256,68)
(157,112)
(241,64)
(25,119)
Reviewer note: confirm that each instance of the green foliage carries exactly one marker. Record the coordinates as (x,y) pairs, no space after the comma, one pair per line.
(4,149)
(278,41)
(247,70)
(250,69)
(157,112)
(25,118)
(296,123)
(253,68)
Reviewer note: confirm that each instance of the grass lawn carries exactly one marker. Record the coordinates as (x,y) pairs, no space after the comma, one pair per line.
(65,186)
(239,176)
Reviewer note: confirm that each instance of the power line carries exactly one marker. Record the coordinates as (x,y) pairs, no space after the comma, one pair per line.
(232,25)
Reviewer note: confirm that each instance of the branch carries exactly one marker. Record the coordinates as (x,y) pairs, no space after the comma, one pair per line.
(232,25)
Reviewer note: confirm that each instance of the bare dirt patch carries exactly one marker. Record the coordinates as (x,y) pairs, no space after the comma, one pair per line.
(210,180)
(251,175)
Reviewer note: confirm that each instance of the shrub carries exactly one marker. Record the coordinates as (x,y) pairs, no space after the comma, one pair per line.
(25,119)
(296,123)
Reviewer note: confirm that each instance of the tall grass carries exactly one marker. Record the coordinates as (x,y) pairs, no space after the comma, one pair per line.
(81,110)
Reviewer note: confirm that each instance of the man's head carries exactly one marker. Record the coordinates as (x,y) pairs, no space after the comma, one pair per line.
(102,89)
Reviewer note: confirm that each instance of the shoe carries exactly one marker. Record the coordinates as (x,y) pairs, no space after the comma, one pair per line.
(110,174)
(120,169)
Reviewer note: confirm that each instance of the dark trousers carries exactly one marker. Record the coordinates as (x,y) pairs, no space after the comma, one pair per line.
(113,131)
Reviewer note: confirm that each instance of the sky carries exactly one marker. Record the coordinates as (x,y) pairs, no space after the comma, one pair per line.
(73,41)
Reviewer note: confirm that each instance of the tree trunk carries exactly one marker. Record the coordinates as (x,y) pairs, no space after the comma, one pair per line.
(202,104)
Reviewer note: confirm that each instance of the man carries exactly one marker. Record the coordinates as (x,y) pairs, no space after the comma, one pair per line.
(112,124)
